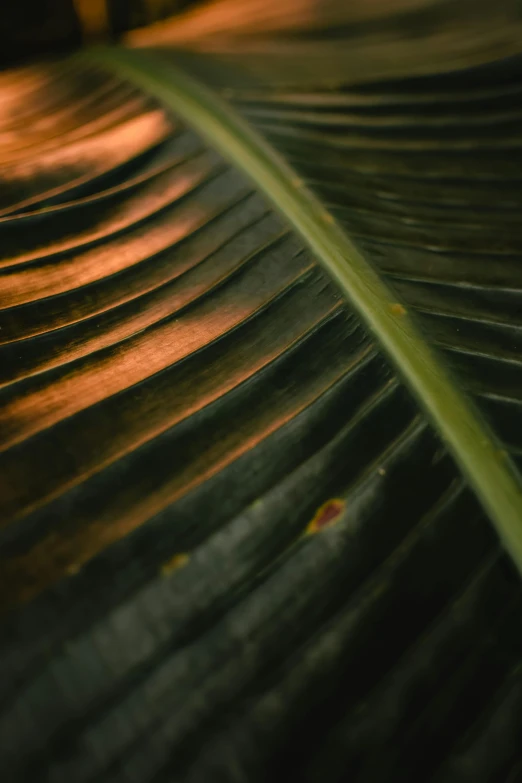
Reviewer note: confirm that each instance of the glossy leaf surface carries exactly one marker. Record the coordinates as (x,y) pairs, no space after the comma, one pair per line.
(232,543)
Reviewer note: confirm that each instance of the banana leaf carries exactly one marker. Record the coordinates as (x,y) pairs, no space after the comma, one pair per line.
(261,399)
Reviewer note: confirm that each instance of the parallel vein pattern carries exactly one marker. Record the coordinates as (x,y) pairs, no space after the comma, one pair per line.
(181,393)
(425,174)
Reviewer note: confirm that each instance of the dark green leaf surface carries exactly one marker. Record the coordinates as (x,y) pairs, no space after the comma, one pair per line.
(425,174)
(183,389)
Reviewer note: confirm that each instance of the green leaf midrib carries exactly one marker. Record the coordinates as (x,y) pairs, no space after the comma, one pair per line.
(488,469)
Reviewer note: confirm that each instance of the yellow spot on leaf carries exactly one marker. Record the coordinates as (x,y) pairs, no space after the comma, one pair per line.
(325,516)
(381,471)
(328,218)
(178,561)
(397,309)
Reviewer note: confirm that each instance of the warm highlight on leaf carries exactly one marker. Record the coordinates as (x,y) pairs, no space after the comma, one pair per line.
(231,18)
(323,43)
(233,544)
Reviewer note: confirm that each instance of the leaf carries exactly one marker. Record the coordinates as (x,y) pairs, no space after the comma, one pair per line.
(466,435)
(325,43)
(233,545)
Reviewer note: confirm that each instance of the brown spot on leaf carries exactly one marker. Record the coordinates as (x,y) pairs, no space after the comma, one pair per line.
(397,309)
(178,561)
(326,515)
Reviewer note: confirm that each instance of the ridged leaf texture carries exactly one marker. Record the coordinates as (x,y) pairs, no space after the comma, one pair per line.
(235,543)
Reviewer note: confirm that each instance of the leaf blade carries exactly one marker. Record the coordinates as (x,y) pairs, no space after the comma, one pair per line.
(488,469)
